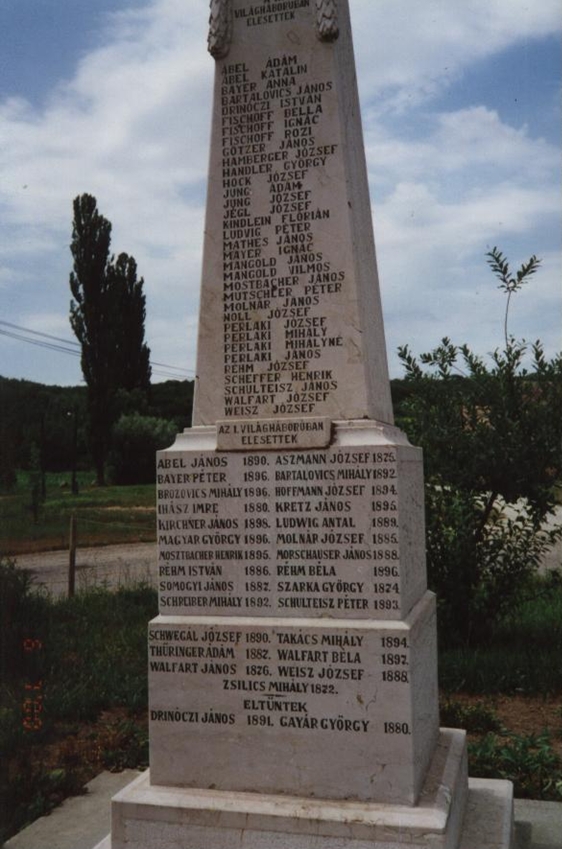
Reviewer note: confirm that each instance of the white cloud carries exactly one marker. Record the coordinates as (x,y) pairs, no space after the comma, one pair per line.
(132,128)
(414,216)
(48,322)
(435,281)
(408,51)
(474,137)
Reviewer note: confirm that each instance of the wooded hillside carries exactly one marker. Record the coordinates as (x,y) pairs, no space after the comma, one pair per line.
(37,424)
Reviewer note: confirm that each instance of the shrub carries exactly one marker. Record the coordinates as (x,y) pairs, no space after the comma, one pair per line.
(8,477)
(492,437)
(135,441)
(475,719)
(23,616)
(527,760)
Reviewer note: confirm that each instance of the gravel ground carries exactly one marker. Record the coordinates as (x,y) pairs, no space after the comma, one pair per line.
(553,559)
(118,565)
(108,565)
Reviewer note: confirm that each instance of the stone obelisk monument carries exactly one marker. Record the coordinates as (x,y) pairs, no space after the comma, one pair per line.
(292,668)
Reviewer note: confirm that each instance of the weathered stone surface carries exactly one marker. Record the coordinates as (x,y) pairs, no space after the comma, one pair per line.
(315,708)
(271,434)
(153,817)
(334,532)
(293,682)
(290,321)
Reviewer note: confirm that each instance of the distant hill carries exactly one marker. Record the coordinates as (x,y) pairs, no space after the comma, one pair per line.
(38,419)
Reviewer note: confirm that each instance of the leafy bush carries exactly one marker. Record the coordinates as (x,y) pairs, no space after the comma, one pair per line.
(31,790)
(11,729)
(135,441)
(475,719)
(8,477)
(480,560)
(492,440)
(23,617)
(90,658)
(102,672)
(125,746)
(527,760)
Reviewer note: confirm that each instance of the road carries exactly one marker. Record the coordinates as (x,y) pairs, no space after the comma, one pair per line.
(119,565)
(108,565)
(553,559)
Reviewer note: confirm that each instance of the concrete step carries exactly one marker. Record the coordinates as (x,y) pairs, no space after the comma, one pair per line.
(83,822)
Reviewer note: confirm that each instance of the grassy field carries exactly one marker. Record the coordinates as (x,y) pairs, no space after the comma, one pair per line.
(105,515)
(525,655)
(72,701)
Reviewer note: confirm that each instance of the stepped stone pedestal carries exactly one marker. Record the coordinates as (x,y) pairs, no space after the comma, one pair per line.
(292,667)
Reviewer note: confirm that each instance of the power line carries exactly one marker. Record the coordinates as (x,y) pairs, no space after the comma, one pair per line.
(60,349)
(167,374)
(75,349)
(40,343)
(39,333)
(174,368)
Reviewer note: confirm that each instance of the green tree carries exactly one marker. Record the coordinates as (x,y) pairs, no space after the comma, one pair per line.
(136,439)
(8,478)
(107,315)
(492,439)
(131,354)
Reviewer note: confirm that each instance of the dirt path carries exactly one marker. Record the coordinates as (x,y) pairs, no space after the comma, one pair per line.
(117,565)
(553,559)
(108,565)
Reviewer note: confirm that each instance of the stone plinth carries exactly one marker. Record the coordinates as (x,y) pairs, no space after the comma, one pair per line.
(147,816)
(316,632)
(336,532)
(231,697)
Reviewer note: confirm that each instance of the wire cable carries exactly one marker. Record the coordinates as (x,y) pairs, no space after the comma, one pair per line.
(75,349)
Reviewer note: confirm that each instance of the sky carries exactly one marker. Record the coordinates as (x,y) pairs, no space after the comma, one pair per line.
(461,115)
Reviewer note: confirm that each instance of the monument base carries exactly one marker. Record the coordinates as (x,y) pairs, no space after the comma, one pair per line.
(450,815)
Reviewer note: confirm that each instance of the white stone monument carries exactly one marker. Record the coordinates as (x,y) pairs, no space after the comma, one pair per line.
(292,668)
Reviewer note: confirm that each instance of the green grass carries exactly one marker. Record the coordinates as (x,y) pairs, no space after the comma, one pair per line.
(111,514)
(64,664)
(524,656)
(104,672)
(529,761)
(475,719)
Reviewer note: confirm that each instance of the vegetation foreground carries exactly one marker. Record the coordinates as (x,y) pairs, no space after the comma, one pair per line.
(73,702)
(104,515)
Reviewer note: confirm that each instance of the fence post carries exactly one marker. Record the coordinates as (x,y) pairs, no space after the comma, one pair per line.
(72,557)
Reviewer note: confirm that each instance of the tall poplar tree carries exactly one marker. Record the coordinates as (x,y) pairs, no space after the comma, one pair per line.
(132,356)
(107,315)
